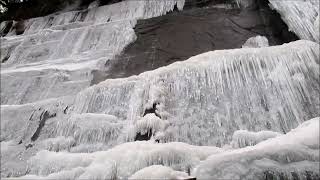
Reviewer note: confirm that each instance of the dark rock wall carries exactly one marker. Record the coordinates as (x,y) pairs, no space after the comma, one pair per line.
(180,35)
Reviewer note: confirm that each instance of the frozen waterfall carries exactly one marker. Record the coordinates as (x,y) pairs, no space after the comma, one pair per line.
(247,113)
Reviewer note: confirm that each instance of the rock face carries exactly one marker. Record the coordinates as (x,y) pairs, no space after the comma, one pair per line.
(99,94)
(180,35)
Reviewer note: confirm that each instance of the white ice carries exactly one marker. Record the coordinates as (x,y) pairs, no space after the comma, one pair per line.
(256,42)
(243,138)
(204,100)
(209,96)
(296,151)
(58,52)
(121,161)
(301,16)
(159,172)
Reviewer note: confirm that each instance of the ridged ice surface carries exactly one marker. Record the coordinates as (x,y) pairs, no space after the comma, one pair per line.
(301,16)
(57,53)
(291,156)
(211,95)
(294,155)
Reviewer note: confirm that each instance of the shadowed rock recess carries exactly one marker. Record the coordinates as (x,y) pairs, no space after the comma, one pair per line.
(161,89)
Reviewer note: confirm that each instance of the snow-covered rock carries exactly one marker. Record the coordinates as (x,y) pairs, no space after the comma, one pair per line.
(256,42)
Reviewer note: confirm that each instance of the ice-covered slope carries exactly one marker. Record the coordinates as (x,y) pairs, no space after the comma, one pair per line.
(56,54)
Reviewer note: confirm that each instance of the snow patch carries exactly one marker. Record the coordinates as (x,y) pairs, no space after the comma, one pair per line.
(256,42)
(159,172)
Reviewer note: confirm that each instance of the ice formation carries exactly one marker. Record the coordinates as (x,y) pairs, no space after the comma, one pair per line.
(211,95)
(159,172)
(60,143)
(90,128)
(293,154)
(289,156)
(55,124)
(205,98)
(121,161)
(243,138)
(258,41)
(59,52)
(301,16)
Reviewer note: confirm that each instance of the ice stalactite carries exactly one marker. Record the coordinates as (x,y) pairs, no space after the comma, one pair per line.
(209,96)
(301,17)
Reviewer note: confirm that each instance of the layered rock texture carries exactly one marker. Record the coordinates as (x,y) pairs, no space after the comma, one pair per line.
(163,89)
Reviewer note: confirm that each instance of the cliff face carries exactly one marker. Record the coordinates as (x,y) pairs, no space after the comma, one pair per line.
(98,92)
